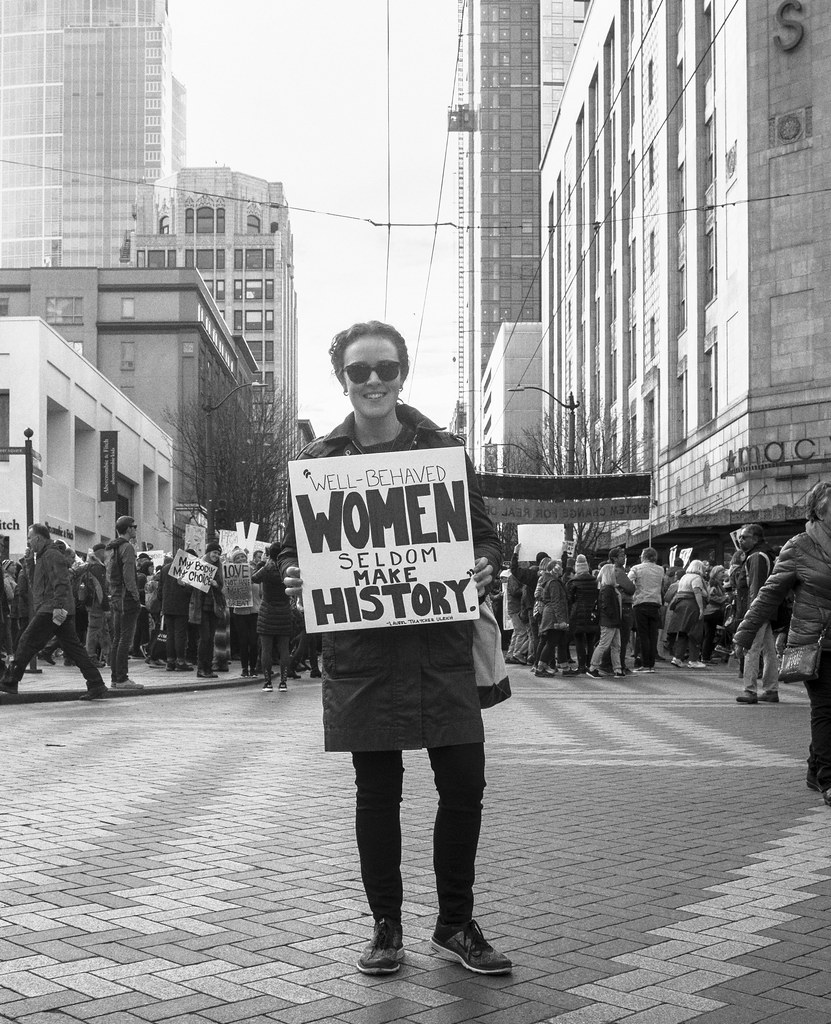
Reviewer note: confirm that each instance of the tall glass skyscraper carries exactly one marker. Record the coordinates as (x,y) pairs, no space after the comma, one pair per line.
(88,108)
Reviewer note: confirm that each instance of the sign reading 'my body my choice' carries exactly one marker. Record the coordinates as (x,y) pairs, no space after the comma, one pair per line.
(192,571)
(384,540)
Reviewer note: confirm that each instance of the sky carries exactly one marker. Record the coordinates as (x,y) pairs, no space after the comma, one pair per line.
(296,91)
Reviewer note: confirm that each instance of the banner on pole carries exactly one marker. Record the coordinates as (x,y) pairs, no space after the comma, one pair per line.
(109,465)
(192,571)
(384,540)
(196,537)
(237,577)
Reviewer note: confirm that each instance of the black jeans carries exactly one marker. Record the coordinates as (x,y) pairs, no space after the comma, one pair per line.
(459,774)
(819,694)
(177,638)
(207,632)
(648,625)
(125,616)
(42,628)
(584,646)
(245,625)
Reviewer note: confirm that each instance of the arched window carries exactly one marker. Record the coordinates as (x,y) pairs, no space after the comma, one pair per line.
(205,220)
(220,220)
(164,225)
(253,224)
(189,220)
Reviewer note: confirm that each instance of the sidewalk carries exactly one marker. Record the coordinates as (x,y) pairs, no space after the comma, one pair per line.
(58,683)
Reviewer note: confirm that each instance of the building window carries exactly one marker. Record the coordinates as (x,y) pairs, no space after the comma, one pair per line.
(651,252)
(237,319)
(633,352)
(164,225)
(651,166)
(253,319)
(256,350)
(710,284)
(128,355)
(682,298)
(633,443)
(253,259)
(682,405)
(220,220)
(269,347)
(128,309)
(237,259)
(269,319)
(171,257)
(253,224)
(710,158)
(253,290)
(237,289)
(269,259)
(220,259)
(269,379)
(681,94)
(189,221)
(220,290)
(156,258)
(648,433)
(205,259)
(652,337)
(650,81)
(64,310)
(205,220)
(269,288)
(188,257)
(141,258)
(4,305)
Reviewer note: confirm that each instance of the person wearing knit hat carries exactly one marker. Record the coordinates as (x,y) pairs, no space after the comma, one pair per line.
(650,587)
(581,590)
(213,546)
(208,609)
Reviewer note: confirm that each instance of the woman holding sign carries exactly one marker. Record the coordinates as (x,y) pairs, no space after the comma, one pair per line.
(408,687)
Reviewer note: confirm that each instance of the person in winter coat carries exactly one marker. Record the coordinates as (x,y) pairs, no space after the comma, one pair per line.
(687,607)
(205,610)
(54,615)
(758,562)
(398,688)
(175,599)
(554,623)
(713,615)
(581,590)
(124,599)
(529,577)
(274,619)
(98,611)
(804,567)
(650,586)
(609,613)
(245,623)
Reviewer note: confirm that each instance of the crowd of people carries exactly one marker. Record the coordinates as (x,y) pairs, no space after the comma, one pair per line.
(120,606)
(620,620)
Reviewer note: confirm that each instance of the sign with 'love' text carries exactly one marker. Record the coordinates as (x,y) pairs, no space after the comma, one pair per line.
(384,540)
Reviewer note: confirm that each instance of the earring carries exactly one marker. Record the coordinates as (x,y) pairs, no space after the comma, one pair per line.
(345,391)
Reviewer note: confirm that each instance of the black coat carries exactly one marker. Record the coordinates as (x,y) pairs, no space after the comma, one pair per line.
(401,687)
(804,566)
(175,598)
(274,616)
(582,597)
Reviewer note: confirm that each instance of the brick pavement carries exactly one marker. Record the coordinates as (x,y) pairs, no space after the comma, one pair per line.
(650,854)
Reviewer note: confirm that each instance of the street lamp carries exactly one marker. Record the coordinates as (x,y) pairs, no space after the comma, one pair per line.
(571,406)
(209,471)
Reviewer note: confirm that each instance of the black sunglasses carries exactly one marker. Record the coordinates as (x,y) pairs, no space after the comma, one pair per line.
(387,370)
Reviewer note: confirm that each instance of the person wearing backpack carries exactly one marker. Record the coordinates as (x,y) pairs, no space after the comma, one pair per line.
(92,591)
(124,598)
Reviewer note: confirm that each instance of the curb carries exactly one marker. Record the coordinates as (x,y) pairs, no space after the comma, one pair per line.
(55,696)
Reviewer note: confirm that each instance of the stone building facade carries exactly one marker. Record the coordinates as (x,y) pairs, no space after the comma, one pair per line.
(684,293)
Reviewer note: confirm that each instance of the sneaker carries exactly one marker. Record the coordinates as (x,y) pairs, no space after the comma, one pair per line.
(678,663)
(620,675)
(184,666)
(282,685)
(470,948)
(812,782)
(747,698)
(126,684)
(383,955)
(8,687)
(97,693)
(768,698)
(171,666)
(267,685)
(206,675)
(544,673)
(696,664)
(826,796)
(593,672)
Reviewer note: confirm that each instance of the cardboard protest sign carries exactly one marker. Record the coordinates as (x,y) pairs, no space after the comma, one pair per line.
(535,537)
(685,554)
(384,540)
(228,540)
(192,571)
(196,537)
(237,576)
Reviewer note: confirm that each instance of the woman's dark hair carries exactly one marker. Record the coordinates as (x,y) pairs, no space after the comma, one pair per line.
(41,530)
(376,329)
(817,504)
(273,551)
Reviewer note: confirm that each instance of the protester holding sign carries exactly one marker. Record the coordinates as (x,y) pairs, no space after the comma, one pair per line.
(274,619)
(395,688)
(206,607)
(243,612)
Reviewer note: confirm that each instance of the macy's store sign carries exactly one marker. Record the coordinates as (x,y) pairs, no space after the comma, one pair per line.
(772,454)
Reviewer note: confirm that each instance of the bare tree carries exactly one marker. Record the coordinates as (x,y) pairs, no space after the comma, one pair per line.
(243,449)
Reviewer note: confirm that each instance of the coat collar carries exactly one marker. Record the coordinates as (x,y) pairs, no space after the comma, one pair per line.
(819,534)
(407,415)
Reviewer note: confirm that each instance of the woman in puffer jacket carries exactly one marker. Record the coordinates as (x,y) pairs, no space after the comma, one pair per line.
(804,566)
(553,623)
